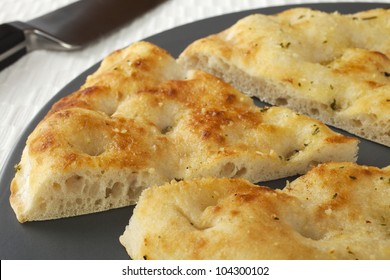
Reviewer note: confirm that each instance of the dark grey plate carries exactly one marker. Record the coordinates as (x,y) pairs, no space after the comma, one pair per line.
(96,236)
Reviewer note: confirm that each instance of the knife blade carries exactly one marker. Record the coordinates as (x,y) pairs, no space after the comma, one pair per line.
(68,28)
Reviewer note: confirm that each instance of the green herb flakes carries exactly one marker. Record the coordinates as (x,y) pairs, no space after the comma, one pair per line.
(369,18)
(333,105)
(285,45)
(17,167)
(264,109)
(316,130)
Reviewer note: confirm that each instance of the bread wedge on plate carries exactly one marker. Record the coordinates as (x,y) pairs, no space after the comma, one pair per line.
(330,66)
(335,211)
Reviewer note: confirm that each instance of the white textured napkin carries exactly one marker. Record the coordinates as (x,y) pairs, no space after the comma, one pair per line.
(29,83)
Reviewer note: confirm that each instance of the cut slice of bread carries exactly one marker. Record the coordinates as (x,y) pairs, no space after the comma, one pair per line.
(141,120)
(332,67)
(335,211)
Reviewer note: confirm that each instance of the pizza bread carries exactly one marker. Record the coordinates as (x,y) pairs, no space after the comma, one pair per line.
(330,66)
(141,120)
(335,211)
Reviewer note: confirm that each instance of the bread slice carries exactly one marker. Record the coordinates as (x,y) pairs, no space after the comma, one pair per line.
(141,120)
(335,211)
(330,66)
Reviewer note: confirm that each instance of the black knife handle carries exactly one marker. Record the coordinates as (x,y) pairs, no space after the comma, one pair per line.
(12,44)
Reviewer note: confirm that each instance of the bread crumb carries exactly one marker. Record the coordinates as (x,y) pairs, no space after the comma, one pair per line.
(328,211)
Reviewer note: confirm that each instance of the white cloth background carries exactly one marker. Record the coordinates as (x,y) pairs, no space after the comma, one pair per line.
(29,83)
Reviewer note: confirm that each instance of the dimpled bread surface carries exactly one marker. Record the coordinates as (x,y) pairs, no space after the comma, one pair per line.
(335,211)
(332,67)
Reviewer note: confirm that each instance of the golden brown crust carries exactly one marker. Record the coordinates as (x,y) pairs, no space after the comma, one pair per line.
(329,66)
(335,211)
(142,120)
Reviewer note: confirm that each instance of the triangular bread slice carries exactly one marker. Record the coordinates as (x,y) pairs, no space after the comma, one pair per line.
(330,66)
(141,120)
(335,211)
